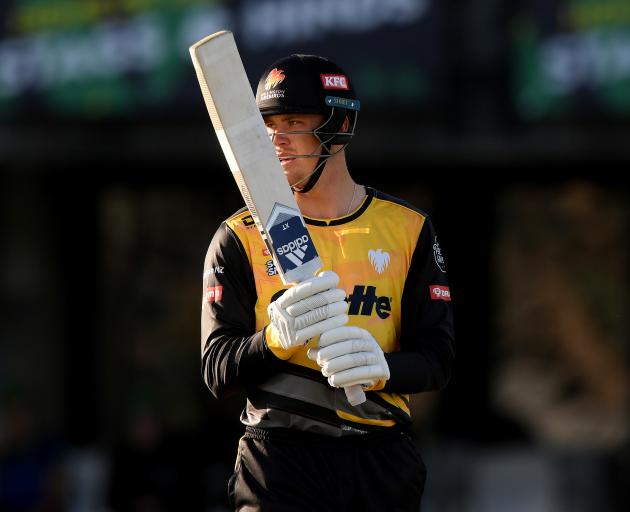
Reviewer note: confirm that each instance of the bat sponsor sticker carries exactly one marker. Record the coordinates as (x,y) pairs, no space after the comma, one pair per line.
(290,239)
(214,293)
(439,292)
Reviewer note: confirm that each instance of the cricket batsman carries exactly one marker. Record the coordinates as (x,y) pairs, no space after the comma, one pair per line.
(379,315)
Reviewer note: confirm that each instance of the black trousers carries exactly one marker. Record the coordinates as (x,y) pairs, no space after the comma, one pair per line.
(379,472)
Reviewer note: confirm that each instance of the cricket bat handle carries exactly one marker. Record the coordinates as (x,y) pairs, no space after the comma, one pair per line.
(355,394)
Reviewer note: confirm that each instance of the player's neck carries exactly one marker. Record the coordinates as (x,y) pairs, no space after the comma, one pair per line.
(335,194)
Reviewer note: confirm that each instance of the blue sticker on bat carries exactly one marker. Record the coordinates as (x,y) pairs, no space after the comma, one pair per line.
(289,238)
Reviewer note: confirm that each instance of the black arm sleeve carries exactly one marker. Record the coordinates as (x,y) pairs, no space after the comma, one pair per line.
(426,355)
(233,354)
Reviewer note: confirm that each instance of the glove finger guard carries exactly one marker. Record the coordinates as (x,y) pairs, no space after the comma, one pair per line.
(324,281)
(307,310)
(349,356)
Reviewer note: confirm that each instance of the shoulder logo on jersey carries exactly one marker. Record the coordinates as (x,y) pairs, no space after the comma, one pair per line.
(437,255)
(439,292)
(214,293)
(364,301)
(379,259)
(217,269)
(248,221)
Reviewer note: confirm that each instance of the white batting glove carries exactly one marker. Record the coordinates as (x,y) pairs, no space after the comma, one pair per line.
(308,309)
(349,356)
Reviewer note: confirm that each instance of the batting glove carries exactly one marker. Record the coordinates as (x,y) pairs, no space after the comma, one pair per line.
(350,355)
(307,310)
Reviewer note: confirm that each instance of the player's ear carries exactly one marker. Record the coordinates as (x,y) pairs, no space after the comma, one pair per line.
(345,125)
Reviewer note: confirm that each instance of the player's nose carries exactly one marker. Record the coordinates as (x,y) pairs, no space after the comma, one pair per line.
(278,138)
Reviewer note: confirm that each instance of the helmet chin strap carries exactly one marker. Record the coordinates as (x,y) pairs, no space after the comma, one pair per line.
(312,178)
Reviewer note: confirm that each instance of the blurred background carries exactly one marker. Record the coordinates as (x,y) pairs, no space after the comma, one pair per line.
(507,120)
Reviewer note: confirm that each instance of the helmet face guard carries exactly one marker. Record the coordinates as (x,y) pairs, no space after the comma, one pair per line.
(308,84)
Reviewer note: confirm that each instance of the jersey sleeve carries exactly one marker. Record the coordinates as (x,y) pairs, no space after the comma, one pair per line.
(425,359)
(233,354)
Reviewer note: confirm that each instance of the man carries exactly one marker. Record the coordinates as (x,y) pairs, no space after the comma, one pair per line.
(378,315)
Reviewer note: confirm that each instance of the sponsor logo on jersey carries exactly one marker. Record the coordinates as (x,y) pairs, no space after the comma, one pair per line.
(334,81)
(379,259)
(248,221)
(212,271)
(271,268)
(214,293)
(274,78)
(364,301)
(437,255)
(266,252)
(439,292)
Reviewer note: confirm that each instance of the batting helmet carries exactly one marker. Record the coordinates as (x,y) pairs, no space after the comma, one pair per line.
(310,84)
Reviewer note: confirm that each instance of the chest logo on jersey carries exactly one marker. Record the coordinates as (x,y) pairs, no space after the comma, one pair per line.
(379,259)
(271,268)
(364,301)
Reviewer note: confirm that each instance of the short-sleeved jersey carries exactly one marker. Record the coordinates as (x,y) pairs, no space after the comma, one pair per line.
(390,265)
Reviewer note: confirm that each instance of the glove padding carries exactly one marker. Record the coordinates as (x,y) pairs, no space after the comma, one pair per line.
(350,355)
(308,309)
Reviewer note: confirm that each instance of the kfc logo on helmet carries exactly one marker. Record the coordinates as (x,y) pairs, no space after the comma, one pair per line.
(274,78)
(439,292)
(335,82)
(214,293)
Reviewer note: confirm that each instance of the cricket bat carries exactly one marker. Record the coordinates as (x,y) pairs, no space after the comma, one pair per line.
(254,164)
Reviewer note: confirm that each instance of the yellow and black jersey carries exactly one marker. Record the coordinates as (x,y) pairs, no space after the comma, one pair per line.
(390,264)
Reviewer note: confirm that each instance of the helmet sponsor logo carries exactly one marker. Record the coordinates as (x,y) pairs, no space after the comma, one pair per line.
(335,82)
(439,292)
(214,293)
(379,259)
(274,78)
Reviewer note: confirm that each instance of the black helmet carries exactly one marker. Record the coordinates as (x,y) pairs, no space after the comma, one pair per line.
(310,84)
